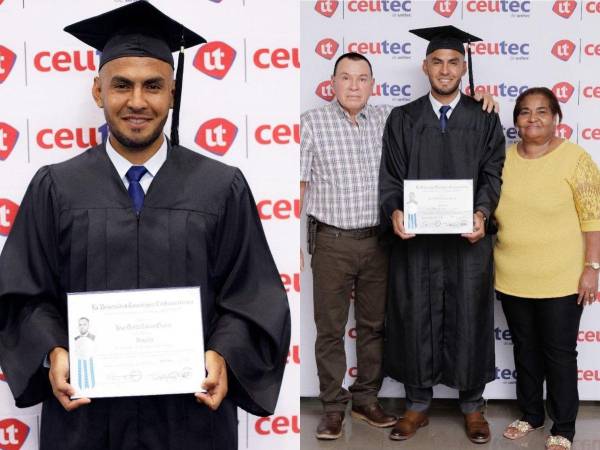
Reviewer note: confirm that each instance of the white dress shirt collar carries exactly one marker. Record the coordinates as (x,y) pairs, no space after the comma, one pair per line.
(436,105)
(153,165)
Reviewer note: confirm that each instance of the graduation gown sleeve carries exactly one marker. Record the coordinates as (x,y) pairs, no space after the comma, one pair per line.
(487,191)
(394,165)
(31,322)
(252,327)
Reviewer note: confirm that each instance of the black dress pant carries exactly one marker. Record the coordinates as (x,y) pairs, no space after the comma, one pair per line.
(544,335)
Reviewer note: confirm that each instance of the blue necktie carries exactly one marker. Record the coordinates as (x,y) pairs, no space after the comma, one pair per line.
(443,118)
(134,175)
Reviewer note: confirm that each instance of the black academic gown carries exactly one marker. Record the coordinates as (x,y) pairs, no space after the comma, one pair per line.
(76,231)
(440,315)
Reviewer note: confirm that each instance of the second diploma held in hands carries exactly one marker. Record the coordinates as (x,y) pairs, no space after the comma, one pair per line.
(438,206)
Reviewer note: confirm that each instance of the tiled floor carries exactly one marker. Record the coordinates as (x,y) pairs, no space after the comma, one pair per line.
(445,430)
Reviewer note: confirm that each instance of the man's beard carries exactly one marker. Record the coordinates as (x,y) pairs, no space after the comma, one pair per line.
(137,145)
(448,91)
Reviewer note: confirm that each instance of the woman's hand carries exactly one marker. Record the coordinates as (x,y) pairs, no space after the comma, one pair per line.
(588,286)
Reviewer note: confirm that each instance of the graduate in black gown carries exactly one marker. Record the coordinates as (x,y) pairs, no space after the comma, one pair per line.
(440,315)
(79,229)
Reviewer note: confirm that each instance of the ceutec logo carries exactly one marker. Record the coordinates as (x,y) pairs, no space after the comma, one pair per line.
(8,212)
(7,62)
(68,138)
(326,8)
(563,131)
(591,91)
(13,434)
(8,140)
(277,58)
(397,92)
(564,8)
(563,91)
(216,135)
(277,425)
(445,8)
(291,282)
(514,7)
(281,209)
(506,375)
(592,7)
(498,90)
(591,49)
(215,59)
(588,375)
(327,48)
(511,133)
(516,51)
(398,8)
(277,134)
(590,134)
(293,355)
(398,50)
(503,335)
(563,49)
(64,61)
(588,336)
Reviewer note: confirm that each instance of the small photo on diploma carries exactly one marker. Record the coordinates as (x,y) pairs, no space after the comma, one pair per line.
(438,206)
(136,342)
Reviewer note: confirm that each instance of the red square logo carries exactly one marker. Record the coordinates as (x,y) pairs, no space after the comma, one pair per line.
(445,7)
(8,139)
(564,8)
(564,131)
(13,434)
(563,49)
(327,48)
(216,135)
(8,212)
(326,8)
(7,61)
(325,90)
(215,59)
(563,91)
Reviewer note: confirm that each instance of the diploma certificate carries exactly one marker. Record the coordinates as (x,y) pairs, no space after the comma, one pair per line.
(438,206)
(136,342)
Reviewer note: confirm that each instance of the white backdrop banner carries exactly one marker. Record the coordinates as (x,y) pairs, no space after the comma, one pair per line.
(240,106)
(525,44)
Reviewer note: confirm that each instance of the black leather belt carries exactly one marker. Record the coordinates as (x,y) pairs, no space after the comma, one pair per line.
(359,233)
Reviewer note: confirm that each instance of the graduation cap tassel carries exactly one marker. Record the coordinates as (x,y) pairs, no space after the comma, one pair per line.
(471,82)
(177,99)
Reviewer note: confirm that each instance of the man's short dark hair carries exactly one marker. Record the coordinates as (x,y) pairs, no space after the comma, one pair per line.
(354,57)
(552,100)
(85,318)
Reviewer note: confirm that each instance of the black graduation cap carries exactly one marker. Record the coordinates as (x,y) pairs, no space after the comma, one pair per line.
(139,29)
(452,38)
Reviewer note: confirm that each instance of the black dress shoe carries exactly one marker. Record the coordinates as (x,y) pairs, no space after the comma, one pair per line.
(374,415)
(330,426)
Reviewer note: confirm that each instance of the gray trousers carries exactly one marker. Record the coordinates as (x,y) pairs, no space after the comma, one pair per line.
(419,399)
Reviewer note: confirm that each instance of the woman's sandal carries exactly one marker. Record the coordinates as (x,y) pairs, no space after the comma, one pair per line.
(519,429)
(558,443)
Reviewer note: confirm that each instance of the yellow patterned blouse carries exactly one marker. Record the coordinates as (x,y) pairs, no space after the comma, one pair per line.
(545,205)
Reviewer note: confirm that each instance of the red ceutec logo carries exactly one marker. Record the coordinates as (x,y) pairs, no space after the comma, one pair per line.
(280,134)
(591,134)
(8,212)
(7,61)
(564,8)
(278,209)
(591,49)
(327,48)
(291,282)
(588,375)
(396,7)
(563,49)
(325,90)
(215,59)
(67,138)
(64,61)
(591,91)
(293,355)
(563,91)
(277,425)
(277,58)
(563,131)
(515,7)
(8,139)
(445,7)
(216,135)
(588,336)
(326,8)
(13,434)
(592,7)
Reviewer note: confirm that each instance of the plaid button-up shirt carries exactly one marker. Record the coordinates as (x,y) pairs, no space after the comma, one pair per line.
(340,161)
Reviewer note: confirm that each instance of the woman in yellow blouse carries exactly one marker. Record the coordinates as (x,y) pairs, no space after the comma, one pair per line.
(547,259)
